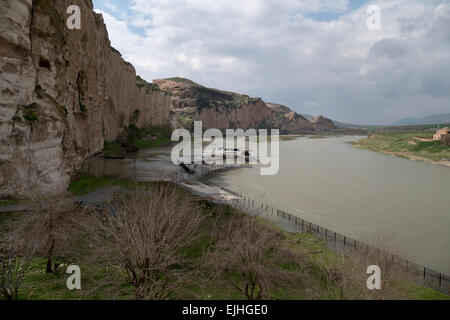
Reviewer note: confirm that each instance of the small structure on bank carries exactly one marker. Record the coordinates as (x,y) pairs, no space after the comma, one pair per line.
(443,135)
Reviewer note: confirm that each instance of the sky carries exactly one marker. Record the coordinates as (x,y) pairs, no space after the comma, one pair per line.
(317,57)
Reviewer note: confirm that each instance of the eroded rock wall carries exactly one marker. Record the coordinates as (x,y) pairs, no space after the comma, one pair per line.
(62,93)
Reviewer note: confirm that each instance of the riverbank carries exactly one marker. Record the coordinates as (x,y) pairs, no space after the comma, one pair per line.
(417,145)
(304,267)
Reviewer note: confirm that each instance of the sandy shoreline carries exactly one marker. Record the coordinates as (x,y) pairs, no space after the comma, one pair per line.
(401,154)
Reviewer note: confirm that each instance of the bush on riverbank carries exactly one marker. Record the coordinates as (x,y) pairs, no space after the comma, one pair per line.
(215,253)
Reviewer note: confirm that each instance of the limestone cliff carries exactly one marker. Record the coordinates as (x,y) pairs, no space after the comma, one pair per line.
(215,108)
(323,124)
(291,122)
(62,93)
(223,110)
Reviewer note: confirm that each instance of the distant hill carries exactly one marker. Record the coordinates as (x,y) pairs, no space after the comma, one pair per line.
(433,119)
(223,110)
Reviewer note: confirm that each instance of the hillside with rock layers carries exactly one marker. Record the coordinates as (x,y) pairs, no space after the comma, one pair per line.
(223,110)
(63,93)
(215,108)
(291,122)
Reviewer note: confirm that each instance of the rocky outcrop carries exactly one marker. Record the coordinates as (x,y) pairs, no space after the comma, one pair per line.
(289,121)
(62,94)
(323,124)
(223,110)
(215,108)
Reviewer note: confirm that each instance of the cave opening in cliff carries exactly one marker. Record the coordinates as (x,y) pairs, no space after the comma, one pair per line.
(44,63)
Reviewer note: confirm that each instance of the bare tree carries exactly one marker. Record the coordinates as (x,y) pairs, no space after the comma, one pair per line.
(245,254)
(15,255)
(50,226)
(346,279)
(144,236)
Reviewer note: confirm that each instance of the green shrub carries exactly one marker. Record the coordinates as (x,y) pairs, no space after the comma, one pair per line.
(30,112)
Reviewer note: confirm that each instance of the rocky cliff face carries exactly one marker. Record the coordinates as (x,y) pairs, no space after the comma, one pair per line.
(62,93)
(323,124)
(223,110)
(215,108)
(289,121)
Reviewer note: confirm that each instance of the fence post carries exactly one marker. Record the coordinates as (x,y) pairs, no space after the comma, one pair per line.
(345,239)
(424,272)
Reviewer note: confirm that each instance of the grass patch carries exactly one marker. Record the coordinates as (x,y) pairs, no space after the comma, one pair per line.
(416,292)
(88,184)
(8,202)
(406,144)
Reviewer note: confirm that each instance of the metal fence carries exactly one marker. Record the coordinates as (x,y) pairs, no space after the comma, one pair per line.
(336,241)
(341,243)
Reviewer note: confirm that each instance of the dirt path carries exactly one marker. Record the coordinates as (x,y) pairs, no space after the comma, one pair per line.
(423,139)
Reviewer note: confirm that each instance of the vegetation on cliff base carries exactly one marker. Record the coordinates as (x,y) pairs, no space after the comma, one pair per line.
(148,136)
(113,150)
(203,243)
(135,138)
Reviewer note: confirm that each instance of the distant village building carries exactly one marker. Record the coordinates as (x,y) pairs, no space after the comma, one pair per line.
(443,135)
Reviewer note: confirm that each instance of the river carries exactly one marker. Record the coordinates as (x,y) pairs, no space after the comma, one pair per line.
(399,204)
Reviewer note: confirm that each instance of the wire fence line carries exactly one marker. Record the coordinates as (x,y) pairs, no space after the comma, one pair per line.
(338,242)
(291,223)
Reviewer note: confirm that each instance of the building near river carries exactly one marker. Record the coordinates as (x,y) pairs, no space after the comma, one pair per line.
(442,135)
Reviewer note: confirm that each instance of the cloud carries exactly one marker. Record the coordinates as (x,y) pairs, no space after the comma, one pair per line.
(282,51)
